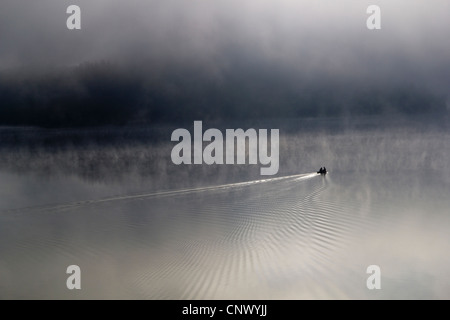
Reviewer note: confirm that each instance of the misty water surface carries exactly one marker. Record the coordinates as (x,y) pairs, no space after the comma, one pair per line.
(140,227)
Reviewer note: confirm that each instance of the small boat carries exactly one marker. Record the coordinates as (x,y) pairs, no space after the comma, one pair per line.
(322,171)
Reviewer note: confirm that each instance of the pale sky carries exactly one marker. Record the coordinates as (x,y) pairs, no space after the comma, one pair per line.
(315,37)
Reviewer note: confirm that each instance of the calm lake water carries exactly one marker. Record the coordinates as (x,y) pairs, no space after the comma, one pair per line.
(141,227)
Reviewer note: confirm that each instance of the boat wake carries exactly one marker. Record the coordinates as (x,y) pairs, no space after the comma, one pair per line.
(168,193)
(263,239)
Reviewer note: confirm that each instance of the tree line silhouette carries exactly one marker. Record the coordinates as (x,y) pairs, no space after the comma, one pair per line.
(102,94)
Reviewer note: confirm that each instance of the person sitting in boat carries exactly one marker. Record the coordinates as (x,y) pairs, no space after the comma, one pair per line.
(322,170)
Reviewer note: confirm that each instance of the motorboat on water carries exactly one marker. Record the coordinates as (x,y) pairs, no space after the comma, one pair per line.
(322,171)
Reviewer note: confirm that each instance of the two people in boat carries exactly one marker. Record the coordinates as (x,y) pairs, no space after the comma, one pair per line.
(322,170)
